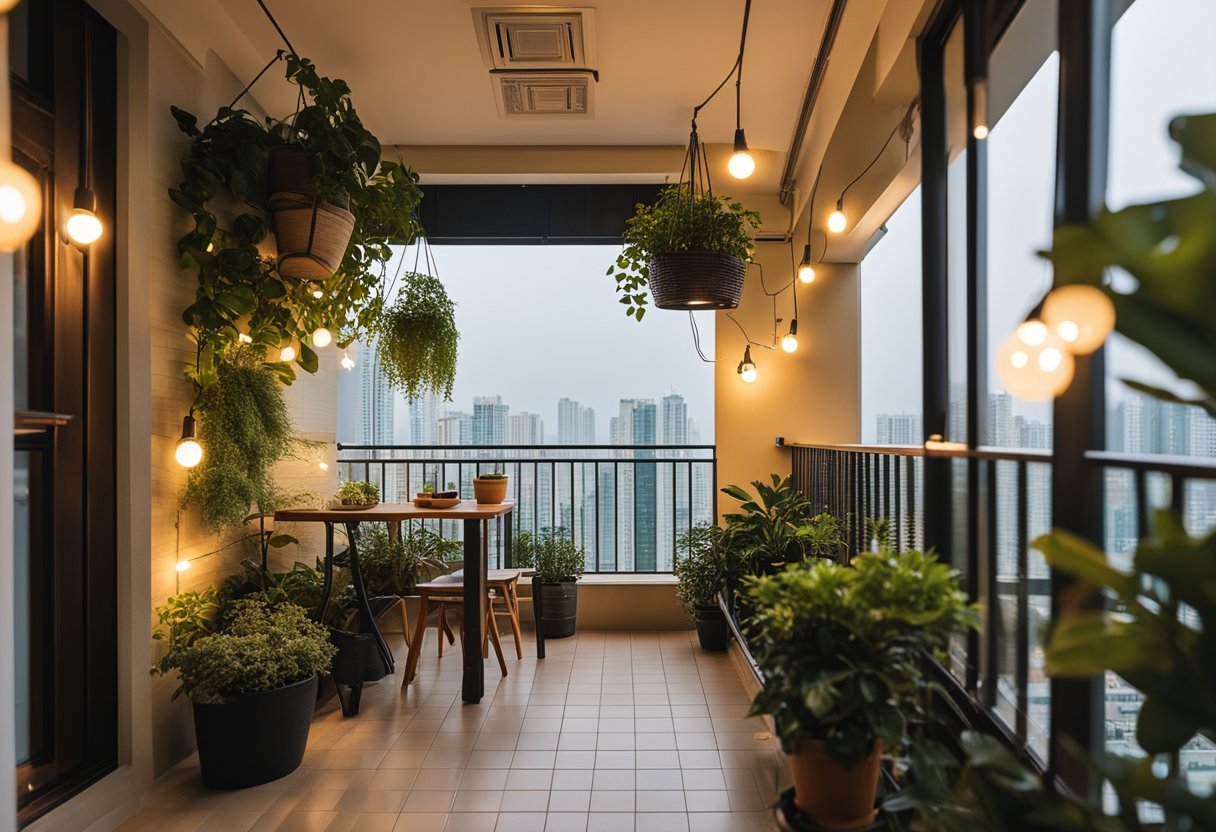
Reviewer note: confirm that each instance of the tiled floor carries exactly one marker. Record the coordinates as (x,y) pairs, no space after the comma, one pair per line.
(612,731)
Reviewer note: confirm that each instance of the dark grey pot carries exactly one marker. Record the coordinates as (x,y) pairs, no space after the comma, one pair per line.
(559,609)
(711,627)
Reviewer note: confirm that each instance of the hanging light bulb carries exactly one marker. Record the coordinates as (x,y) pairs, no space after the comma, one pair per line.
(837,221)
(20,206)
(322,337)
(318,294)
(1033,363)
(979,109)
(790,342)
(806,272)
(1082,316)
(244,338)
(189,452)
(83,227)
(348,363)
(288,353)
(741,164)
(747,369)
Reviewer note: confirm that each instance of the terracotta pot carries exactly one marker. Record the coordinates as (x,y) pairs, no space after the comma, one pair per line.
(832,796)
(491,491)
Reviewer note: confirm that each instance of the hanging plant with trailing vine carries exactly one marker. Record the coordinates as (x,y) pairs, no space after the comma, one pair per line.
(416,340)
(241,296)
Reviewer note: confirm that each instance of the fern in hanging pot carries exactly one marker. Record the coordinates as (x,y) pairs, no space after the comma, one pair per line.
(416,338)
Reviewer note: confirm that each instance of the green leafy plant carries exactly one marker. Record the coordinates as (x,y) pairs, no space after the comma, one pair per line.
(259,646)
(552,553)
(429,488)
(393,567)
(841,645)
(240,291)
(702,568)
(416,338)
(184,619)
(681,219)
(775,527)
(357,492)
(1170,249)
(301,585)
(245,430)
(492,475)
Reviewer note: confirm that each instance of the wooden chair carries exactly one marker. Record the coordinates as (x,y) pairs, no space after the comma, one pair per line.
(438,596)
(505,582)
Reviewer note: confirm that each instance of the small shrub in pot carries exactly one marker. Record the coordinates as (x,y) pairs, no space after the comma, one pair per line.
(559,563)
(702,571)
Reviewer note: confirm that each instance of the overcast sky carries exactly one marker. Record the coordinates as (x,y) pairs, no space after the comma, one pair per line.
(1163,65)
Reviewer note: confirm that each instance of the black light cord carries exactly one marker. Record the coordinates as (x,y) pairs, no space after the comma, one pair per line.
(86,121)
(873,161)
(278,28)
(736,67)
(810,219)
(747,10)
(278,56)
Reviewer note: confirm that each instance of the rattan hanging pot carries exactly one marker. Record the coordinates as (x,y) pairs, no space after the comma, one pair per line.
(696,280)
(312,235)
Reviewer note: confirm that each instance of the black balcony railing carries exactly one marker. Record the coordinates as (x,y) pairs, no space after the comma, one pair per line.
(999,671)
(625,505)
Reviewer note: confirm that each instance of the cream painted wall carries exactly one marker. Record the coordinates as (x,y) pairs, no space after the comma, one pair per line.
(811,395)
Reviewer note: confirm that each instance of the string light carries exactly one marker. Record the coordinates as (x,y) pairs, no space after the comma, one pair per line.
(318,294)
(20,206)
(747,368)
(790,342)
(806,272)
(182,565)
(837,221)
(741,164)
(83,227)
(1033,363)
(322,337)
(244,338)
(1080,315)
(979,109)
(288,353)
(323,465)
(189,452)
(348,363)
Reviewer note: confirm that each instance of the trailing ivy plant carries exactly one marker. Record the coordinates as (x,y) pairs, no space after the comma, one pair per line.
(246,429)
(240,291)
(679,220)
(417,340)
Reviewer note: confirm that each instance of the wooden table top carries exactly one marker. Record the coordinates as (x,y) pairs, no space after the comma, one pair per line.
(390,512)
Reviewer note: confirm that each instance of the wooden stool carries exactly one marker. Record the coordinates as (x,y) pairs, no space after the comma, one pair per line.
(439,596)
(506,583)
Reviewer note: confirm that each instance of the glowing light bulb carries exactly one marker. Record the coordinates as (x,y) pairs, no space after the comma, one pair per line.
(1033,363)
(83,227)
(318,294)
(747,368)
(348,363)
(1081,315)
(837,221)
(806,272)
(244,338)
(183,565)
(790,342)
(324,466)
(288,353)
(979,109)
(20,206)
(741,164)
(322,337)
(188,452)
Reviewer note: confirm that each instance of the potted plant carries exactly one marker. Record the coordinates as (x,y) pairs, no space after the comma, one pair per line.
(840,647)
(775,527)
(391,568)
(689,248)
(559,563)
(355,493)
(416,338)
(490,488)
(252,681)
(702,575)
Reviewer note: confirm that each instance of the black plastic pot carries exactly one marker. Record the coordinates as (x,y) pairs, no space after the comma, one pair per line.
(350,666)
(256,738)
(711,627)
(559,609)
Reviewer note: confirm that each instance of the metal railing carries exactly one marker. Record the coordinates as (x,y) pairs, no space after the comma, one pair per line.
(625,505)
(1001,668)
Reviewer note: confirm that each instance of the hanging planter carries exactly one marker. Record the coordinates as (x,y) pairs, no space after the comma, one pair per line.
(416,337)
(690,249)
(312,235)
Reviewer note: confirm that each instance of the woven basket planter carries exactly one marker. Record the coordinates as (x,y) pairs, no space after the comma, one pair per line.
(693,280)
(312,235)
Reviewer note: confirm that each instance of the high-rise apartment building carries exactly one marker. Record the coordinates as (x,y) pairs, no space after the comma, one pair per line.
(489,420)
(525,429)
(643,431)
(899,429)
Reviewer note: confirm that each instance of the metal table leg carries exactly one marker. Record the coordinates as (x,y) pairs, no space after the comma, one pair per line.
(367,621)
(327,572)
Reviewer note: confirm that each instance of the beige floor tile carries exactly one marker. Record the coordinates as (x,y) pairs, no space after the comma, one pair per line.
(610,822)
(477,801)
(471,822)
(421,822)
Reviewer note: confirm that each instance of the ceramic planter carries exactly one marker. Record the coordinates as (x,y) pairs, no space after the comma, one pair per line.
(712,631)
(490,490)
(834,797)
(255,738)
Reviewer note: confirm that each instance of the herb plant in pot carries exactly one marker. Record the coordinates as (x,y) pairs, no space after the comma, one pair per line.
(559,563)
(357,494)
(690,249)
(253,685)
(490,488)
(702,575)
(840,648)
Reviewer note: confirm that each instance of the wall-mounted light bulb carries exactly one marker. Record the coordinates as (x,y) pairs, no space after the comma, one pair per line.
(189,452)
(837,221)
(20,206)
(806,272)
(979,109)
(348,363)
(182,565)
(790,342)
(1033,363)
(323,465)
(322,337)
(747,368)
(83,227)
(288,353)
(1082,316)
(741,164)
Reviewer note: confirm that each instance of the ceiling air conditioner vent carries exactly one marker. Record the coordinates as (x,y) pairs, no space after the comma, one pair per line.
(532,94)
(536,37)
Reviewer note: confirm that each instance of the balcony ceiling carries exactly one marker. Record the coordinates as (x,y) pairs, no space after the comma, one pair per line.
(419,78)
